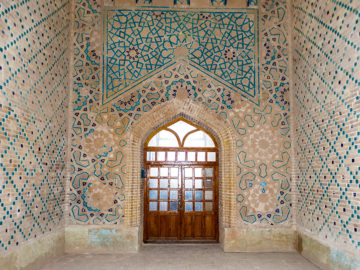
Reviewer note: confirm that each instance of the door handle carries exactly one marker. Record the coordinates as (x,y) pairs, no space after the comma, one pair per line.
(180,206)
(179,203)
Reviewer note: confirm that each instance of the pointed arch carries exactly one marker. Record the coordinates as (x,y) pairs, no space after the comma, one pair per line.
(181,129)
(220,130)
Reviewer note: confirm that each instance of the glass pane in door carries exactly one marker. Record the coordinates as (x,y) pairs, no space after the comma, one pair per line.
(173,206)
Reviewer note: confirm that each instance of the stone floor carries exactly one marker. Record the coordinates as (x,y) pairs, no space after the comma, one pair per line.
(184,257)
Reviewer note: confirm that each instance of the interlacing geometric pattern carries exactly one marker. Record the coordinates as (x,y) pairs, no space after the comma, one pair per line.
(218,2)
(327,124)
(275,45)
(264,142)
(34,68)
(263,167)
(142,43)
(157,55)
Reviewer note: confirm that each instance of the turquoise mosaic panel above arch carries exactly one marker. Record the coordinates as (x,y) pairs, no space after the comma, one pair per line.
(109,125)
(141,43)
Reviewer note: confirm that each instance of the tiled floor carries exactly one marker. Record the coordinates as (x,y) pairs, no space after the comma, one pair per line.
(184,257)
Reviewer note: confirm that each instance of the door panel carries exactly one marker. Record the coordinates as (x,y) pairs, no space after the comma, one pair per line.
(153,225)
(198,226)
(209,225)
(188,226)
(180,202)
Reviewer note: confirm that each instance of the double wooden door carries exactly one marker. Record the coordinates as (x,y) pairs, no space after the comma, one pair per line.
(181,202)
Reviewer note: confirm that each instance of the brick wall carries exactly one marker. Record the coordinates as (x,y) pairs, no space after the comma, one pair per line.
(34,76)
(136,79)
(326,55)
(252,121)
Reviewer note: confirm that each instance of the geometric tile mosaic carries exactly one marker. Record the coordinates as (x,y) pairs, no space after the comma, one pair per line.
(275,71)
(97,124)
(263,169)
(327,119)
(141,43)
(154,52)
(218,2)
(209,57)
(98,147)
(34,69)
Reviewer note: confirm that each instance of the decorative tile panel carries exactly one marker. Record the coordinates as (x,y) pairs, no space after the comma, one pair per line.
(142,43)
(34,70)
(167,60)
(327,126)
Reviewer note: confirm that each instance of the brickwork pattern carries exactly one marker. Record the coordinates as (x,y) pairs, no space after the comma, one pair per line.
(34,72)
(104,163)
(202,116)
(106,154)
(326,57)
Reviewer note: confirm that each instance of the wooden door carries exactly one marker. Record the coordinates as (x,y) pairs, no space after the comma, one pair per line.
(163,202)
(181,203)
(181,185)
(199,219)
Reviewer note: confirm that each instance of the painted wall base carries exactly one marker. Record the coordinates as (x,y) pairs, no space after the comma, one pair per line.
(259,240)
(107,239)
(35,254)
(324,256)
(101,239)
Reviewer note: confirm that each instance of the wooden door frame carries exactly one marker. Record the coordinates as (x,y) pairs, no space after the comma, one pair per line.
(214,165)
(221,129)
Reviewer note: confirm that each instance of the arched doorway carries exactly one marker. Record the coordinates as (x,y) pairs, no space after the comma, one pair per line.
(181,184)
